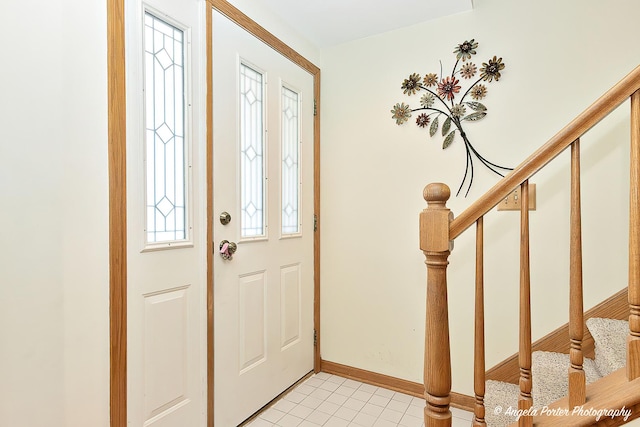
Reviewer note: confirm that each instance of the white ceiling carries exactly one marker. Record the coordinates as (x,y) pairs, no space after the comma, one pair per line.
(330,22)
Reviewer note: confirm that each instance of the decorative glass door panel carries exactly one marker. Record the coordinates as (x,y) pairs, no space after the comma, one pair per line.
(252,145)
(290,168)
(166,149)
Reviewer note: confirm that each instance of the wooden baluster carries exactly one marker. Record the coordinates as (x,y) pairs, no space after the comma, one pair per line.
(577,384)
(479,365)
(525,400)
(434,242)
(633,340)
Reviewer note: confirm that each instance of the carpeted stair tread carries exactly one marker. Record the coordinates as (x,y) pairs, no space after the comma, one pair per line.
(550,376)
(549,372)
(550,383)
(504,395)
(610,337)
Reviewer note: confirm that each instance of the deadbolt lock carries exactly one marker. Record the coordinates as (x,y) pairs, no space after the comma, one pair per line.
(225,218)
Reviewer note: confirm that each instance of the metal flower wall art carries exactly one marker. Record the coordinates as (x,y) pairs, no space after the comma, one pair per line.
(445,106)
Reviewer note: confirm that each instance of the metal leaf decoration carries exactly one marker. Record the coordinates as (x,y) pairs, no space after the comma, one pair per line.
(446,126)
(473,117)
(444,95)
(434,127)
(476,106)
(449,139)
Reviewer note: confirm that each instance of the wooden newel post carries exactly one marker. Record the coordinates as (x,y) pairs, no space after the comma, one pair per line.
(435,244)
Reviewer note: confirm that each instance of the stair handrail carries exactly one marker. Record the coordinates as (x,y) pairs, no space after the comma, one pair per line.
(438,230)
(597,111)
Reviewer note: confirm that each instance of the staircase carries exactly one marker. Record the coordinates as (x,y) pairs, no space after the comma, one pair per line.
(549,371)
(551,387)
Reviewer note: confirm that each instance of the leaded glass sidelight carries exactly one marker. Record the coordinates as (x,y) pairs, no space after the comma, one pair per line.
(166,209)
(252,142)
(290,162)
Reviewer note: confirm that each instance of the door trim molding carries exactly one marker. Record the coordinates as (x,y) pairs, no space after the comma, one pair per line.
(117,214)
(278,45)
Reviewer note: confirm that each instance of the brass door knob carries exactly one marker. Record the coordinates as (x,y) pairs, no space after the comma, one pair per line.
(227,249)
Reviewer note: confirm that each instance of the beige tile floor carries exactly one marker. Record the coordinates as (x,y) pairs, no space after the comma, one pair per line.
(332,401)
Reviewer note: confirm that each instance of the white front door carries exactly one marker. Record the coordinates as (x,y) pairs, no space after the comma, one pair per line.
(166,260)
(263,179)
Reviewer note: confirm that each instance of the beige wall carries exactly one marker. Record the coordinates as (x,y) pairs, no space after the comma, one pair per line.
(53,172)
(560,56)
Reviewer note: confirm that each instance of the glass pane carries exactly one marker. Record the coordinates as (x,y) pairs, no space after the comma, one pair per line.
(164,132)
(252,174)
(290,164)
